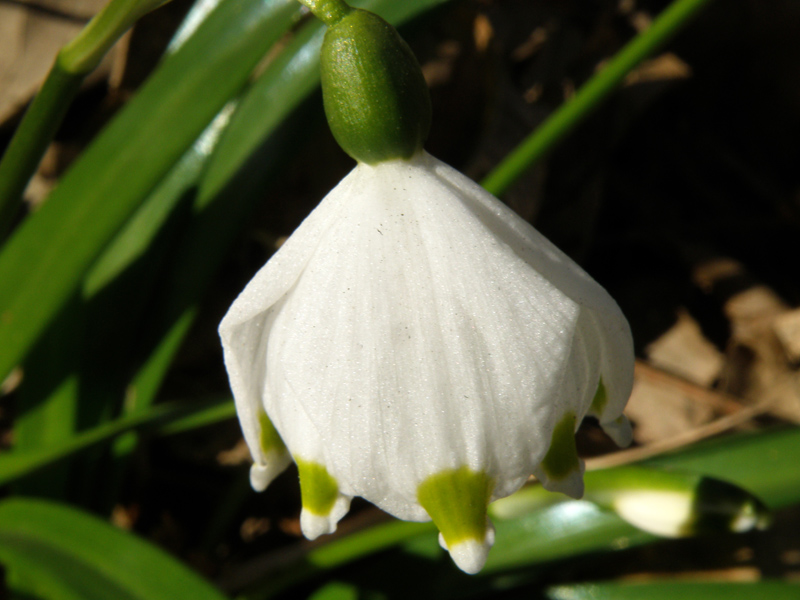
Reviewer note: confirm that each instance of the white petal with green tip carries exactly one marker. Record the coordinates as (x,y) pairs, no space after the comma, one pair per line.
(561,470)
(413,326)
(457,500)
(273,457)
(323,505)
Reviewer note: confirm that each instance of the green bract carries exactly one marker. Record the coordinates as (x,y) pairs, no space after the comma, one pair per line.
(375,96)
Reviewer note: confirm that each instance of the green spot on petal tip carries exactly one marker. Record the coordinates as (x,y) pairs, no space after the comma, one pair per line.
(600,399)
(457,500)
(275,458)
(269,438)
(561,459)
(318,488)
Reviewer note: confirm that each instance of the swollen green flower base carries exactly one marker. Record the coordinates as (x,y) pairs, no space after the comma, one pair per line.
(375,96)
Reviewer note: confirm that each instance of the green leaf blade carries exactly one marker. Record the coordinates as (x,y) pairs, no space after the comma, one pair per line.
(80,556)
(42,264)
(669,590)
(170,418)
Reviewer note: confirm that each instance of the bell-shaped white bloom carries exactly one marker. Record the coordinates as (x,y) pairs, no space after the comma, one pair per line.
(418,344)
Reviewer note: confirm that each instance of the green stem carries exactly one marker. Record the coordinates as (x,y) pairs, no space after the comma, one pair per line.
(42,119)
(329,12)
(590,95)
(32,137)
(85,52)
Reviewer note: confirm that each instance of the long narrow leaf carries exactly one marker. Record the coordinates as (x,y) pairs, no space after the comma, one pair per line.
(43,263)
(37,129)
(61,552)
(173,417)
(765,464)
(43,117)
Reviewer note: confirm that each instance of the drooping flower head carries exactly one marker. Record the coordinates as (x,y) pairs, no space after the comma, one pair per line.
(415,342)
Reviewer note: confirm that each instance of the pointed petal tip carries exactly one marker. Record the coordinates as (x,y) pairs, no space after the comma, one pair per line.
(470,555)
(561,469)
(619,430)
(570,484)
(261,475)
(314,525)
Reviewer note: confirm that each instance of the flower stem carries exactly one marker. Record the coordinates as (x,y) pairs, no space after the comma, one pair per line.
(329,12)
(590,95)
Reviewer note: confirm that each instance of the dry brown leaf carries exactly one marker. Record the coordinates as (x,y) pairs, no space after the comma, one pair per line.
(758,367)
(684,351)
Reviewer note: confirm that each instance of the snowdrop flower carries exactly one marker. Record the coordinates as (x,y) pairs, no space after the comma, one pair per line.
(416,343)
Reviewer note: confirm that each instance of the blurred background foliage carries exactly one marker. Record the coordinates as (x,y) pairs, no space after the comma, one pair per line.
(184,160)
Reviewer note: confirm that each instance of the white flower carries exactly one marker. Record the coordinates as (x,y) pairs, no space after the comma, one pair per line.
(418,344)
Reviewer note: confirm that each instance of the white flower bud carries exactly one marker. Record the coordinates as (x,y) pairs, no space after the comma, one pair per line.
(416,343)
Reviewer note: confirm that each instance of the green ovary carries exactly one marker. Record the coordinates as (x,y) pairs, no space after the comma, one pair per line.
(318,488)
(456,500)
(562,457)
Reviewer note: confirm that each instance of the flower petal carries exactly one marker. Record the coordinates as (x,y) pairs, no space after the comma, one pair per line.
(542,255)
(245,329)
(324,502)
(619,428)
(416,341)
(323,505)
(561,470)
(470,554)
(457,501)
(274,456)
(418,344)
